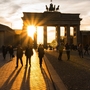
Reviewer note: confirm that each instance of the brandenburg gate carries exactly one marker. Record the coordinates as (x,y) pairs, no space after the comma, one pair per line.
(52,17)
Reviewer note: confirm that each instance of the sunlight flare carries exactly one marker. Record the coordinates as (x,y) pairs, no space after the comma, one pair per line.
(31,30)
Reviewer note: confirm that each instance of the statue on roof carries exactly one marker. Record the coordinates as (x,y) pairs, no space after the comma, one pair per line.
(52,7)
(57,8)
(47,8)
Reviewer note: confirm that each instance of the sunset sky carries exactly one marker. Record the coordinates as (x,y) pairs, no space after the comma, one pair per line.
(11,10)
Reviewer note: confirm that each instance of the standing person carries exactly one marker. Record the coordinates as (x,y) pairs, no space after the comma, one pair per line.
(4,51)
(67,47)
(80,50)
(11,51)
(61,47)
(28,53)
(86,49)
(40,54)
(19,55)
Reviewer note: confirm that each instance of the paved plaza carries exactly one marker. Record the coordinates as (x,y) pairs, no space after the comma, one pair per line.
(54,74)
(22,78)
(75,73)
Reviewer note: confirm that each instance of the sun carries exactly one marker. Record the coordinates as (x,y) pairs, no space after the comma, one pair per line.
(31,30)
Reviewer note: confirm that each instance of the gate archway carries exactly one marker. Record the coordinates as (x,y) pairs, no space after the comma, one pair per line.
(51,17)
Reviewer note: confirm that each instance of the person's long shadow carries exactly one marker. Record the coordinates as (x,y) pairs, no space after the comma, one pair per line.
(48,81)
(8,84)
(25,85)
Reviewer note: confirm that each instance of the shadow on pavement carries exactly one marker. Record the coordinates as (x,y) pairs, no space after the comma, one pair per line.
(25,85)
(8,84)
(74,73)
(48,81)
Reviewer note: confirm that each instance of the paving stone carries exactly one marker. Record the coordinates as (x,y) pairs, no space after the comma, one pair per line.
(30,78)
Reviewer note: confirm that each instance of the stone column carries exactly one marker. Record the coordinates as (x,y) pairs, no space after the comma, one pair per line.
(45,36)
(58,33)
(35,40)
(24,37)
(68,33)
(78,34)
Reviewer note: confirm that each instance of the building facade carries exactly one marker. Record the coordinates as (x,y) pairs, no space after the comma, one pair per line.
(51,17)
(9,36)
(85,37)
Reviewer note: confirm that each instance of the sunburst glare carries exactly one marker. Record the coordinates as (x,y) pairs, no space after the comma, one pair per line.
(31,30)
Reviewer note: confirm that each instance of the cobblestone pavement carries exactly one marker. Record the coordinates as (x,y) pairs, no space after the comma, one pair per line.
(75,73)
(22,78)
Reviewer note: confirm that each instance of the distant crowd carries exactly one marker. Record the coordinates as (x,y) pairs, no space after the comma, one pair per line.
(82,50)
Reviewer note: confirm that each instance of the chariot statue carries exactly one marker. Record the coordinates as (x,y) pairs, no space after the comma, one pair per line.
(52,7)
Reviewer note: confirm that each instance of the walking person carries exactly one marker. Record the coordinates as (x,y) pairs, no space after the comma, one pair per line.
(60,48)
(19,55)
(4,51)
(28,53)
(11,51)
(67,47)
(80,50)
(86,49)
(40,54)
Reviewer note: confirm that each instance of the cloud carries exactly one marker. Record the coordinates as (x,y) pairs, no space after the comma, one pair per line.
(4,1)
(11,10)
(2,19)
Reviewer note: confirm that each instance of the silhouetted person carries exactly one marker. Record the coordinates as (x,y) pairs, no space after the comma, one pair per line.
(19,55)
(4,51)
(67,47)
(80,50)
(40,54)
(11,51)
(60,48)
(86,49)
(28,53)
